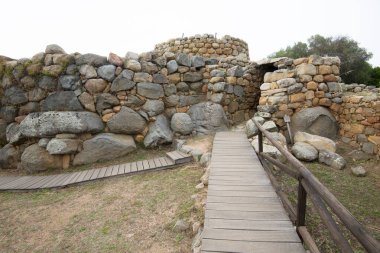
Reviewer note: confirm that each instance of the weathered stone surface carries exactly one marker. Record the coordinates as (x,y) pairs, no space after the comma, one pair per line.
(304,151)
(131,55)
(236,71)
(183,59)
(91,59)
(170,89)
(27,81)
(267,149)
(133,101)
(142,77)
(266,109)
(105,101)
(197,61)
(192,77)
(115,59)
(332,159)
(154,107)
(149,67)
(127,121)
(181,225)
(172,66)
(48,124)
(160,61)
(35,159)
(295,88)
(104,147)
(218,73)
(150,90)
(317,121)
(358,171)
(9,157)
(107,72)
(286,82)
(217,98)
(61,101)
(171,100)
(53,70)
(160,78)
(319,142)
(88,71)
(63,146)
(87,101)
(251,129)
(94,86)
(54,49)
(123,81)
(306,69)
(191,100)
(69,82)
(270,126)
(8,113)
(28,108)
(182,87)
(276,75)
(159,132)
(238,90)
(133,65)
(15,96)
(208,117)
(182,123)
(48,83)
(219,87)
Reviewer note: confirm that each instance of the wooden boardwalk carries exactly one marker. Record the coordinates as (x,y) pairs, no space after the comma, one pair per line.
(28,183)
(243,212)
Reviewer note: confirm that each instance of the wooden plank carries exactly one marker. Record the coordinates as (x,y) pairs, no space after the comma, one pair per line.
(127,168)
(157,162)
(180,154)
(244,207)
(14,184)
(38,184)
(6,180)
(152,165)
(88,175)
(169,161)
(249,224)
(80,176)
(70,179)
(115,170)
(253,236)
(243,200)
(146,165)
(244,215)
(33,181)
(163,161)
(122,169)
(57,178)
(95,174)
(133,167)
(173,156)
(102,172)
(241,188)
(256,247)
(108,171)
(269,194)
(140,166)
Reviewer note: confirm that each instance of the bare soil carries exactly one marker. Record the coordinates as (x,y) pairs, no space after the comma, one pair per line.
(125,214)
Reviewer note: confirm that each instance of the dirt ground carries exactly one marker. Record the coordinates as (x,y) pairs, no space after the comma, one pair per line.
(126,214)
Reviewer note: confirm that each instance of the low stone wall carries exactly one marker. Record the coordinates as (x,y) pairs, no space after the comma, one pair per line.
(359,120)
(208,46)
(150,98)
(298,84)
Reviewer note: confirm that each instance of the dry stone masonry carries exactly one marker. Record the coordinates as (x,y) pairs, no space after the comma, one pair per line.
(60,109)
(105,104)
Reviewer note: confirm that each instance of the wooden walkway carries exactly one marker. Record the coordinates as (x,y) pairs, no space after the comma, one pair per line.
(243,212)
(27,183)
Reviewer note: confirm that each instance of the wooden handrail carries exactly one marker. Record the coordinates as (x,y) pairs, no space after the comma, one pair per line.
(363,236)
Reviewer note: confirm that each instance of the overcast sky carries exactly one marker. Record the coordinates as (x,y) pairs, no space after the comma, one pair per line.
(93,26)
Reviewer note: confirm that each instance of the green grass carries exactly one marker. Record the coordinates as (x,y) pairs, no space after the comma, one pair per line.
(360,195)
(125,214)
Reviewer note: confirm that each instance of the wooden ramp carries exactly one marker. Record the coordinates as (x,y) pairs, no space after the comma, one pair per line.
(243,212)
(28,183)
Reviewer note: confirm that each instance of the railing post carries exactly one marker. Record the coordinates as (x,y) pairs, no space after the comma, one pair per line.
(301,204)
(260,142)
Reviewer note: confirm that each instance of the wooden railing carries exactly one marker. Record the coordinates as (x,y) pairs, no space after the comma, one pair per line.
(320,196)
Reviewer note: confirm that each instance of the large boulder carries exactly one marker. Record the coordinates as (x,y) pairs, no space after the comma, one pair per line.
(36,158)
(48,124)
(332,159)
(159,132)
(103,147)
(62,101)
(63,146)
(153,107)
(250,127)
(208,117)
(127,121)
(317,121)
(319,142)
(182,123)
(304,151)
(9,157)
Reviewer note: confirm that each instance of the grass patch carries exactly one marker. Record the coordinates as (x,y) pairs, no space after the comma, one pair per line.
(124,214)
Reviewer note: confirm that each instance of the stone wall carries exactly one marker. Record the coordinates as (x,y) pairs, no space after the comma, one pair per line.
(359,120)
(297,84)
(208,46)
(71,103)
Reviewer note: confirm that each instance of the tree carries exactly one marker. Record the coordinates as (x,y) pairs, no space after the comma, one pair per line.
(375,77)
(354,66)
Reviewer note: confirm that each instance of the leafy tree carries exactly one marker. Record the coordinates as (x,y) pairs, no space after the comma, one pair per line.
(375,77)
(354,66)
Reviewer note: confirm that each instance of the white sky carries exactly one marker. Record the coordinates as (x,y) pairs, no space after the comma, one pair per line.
(93,26)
